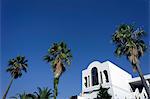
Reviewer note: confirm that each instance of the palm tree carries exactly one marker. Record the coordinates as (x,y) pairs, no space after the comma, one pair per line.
(24,96)
(128,41)
(59,56)
(16,66)
(103,93)
(44,93)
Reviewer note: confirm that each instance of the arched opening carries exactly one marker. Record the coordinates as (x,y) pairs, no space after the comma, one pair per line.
(94,74)
(85,81)
(89,80)
(106,75)
(101,77)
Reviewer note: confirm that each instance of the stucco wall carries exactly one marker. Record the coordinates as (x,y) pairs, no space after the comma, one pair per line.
(118,81)
(87,72)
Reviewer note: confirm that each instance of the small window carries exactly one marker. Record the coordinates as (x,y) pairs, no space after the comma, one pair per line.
(101,77)
(85,81)
(106,75)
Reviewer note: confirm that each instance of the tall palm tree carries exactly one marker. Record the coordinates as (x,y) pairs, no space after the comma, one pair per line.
(128,41)
(44,93)
(16,66)
(59,56)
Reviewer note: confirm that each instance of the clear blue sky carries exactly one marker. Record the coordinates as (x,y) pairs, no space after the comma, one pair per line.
(29,27)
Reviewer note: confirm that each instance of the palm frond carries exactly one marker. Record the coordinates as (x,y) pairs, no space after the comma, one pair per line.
(128,41)
(16,65)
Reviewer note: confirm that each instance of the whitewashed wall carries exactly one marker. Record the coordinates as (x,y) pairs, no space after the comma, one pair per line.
(118,82)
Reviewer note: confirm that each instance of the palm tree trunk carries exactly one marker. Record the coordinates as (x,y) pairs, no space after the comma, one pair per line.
(4,97)
(143,80)
(58,70)
(56,80)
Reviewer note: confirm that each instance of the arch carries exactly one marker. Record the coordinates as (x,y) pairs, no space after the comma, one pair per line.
(106,75)
(94,75)
(85,81)
(101,77)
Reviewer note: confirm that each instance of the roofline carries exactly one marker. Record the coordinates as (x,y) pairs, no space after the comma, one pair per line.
(138,78)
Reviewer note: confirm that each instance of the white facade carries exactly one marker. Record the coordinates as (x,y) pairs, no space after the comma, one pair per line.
(121,84)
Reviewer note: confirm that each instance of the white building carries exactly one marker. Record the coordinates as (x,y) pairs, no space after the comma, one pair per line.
(121,84)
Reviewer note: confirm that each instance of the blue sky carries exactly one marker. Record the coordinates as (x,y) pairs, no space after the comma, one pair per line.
(29,27)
